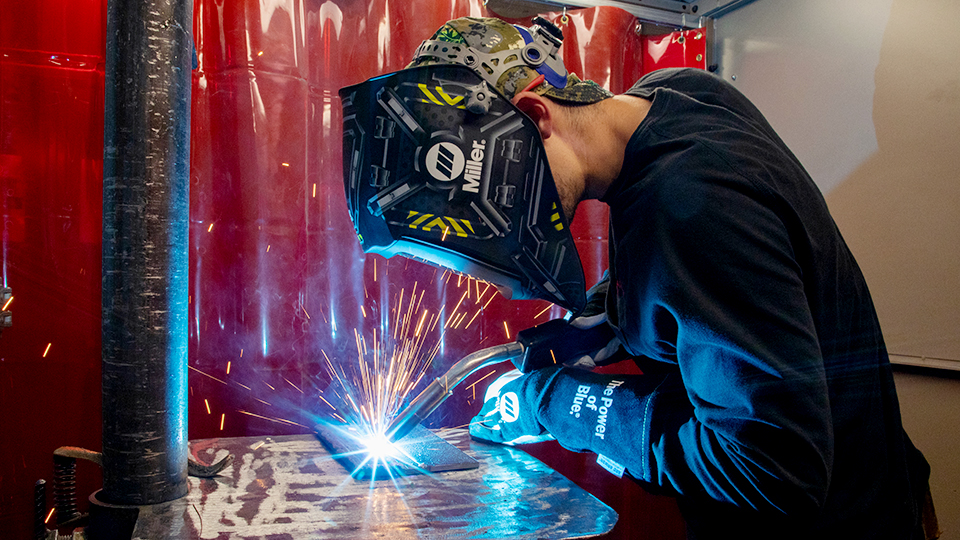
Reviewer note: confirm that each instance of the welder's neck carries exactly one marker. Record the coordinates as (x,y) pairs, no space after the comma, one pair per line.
(617,120)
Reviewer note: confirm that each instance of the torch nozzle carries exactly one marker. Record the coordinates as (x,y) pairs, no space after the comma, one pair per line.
(442,387)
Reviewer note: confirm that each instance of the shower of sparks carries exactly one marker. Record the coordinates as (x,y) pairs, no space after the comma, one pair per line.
(388,366)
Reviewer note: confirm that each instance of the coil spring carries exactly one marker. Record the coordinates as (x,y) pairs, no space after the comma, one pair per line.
(39,510)
(65,488)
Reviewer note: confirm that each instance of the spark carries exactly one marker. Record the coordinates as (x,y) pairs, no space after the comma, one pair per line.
(207,403)
(364,311)
(259,444)
(243,385)
(553,356)
(260,53)
(472,318)
(241,353)
(222,418)
(206,375)
(268,248)
(454,312)
(481,379)
(293,385)
(327,402)
(210,228)
(420,324)
(314,190)
(50,514)
(285,164)
(305,312)
(228,366)
(276,420)
(445,231)
(537,316)
(506,329)
(45,351)
(494,295)
(271,386)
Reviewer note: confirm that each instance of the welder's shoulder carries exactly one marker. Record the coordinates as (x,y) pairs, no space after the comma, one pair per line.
(700,87)
(683,80)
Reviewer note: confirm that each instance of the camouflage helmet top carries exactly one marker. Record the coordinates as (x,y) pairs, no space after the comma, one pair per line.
(509,57)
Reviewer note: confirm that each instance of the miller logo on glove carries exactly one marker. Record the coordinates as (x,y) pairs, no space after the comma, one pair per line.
(509,413)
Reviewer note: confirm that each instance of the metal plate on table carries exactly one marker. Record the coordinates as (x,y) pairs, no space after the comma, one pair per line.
(290,488)
(420,452)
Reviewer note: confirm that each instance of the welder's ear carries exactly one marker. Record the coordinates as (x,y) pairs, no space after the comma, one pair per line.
(537,108)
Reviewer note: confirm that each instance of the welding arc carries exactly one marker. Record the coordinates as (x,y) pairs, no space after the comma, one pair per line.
(442,387)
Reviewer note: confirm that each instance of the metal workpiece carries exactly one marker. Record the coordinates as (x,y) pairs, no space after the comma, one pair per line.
(441,388)
(420,452)
(290,487)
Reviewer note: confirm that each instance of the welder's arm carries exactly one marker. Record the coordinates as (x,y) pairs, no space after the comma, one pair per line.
(717,290)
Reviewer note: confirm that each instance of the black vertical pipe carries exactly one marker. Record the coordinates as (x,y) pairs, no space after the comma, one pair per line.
(146,170)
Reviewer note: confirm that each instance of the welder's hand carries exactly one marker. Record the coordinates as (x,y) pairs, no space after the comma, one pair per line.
(594,317)
(509,413)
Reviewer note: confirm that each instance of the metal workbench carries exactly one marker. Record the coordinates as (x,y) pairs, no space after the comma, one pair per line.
(289,487)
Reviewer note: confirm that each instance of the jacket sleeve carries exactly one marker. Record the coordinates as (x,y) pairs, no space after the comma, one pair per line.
(712,283)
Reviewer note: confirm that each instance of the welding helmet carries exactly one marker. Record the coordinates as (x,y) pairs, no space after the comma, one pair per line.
(439,165)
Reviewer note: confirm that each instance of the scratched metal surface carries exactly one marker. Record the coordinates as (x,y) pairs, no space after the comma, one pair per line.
(289,487)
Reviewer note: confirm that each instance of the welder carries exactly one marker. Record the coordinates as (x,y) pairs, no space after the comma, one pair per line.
(766,402)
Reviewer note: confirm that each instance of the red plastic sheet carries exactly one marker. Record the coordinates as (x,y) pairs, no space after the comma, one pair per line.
(278,283)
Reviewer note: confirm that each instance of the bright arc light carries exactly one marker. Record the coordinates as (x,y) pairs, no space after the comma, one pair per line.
(379,446)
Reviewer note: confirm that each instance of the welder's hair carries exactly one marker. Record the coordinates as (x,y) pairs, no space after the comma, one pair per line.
(578,113)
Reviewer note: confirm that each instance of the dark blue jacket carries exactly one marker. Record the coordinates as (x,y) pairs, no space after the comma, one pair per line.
(768,404)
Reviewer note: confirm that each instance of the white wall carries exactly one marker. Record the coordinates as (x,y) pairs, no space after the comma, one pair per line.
(867,94)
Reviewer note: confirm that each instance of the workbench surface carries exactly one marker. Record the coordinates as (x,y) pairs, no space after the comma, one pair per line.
(289,488)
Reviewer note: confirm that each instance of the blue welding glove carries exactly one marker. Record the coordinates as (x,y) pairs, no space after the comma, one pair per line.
(509,412)
(594,318)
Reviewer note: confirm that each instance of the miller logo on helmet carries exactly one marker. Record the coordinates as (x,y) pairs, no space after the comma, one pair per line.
(445,161)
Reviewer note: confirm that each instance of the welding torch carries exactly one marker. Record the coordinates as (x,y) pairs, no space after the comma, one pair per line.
(534,349)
